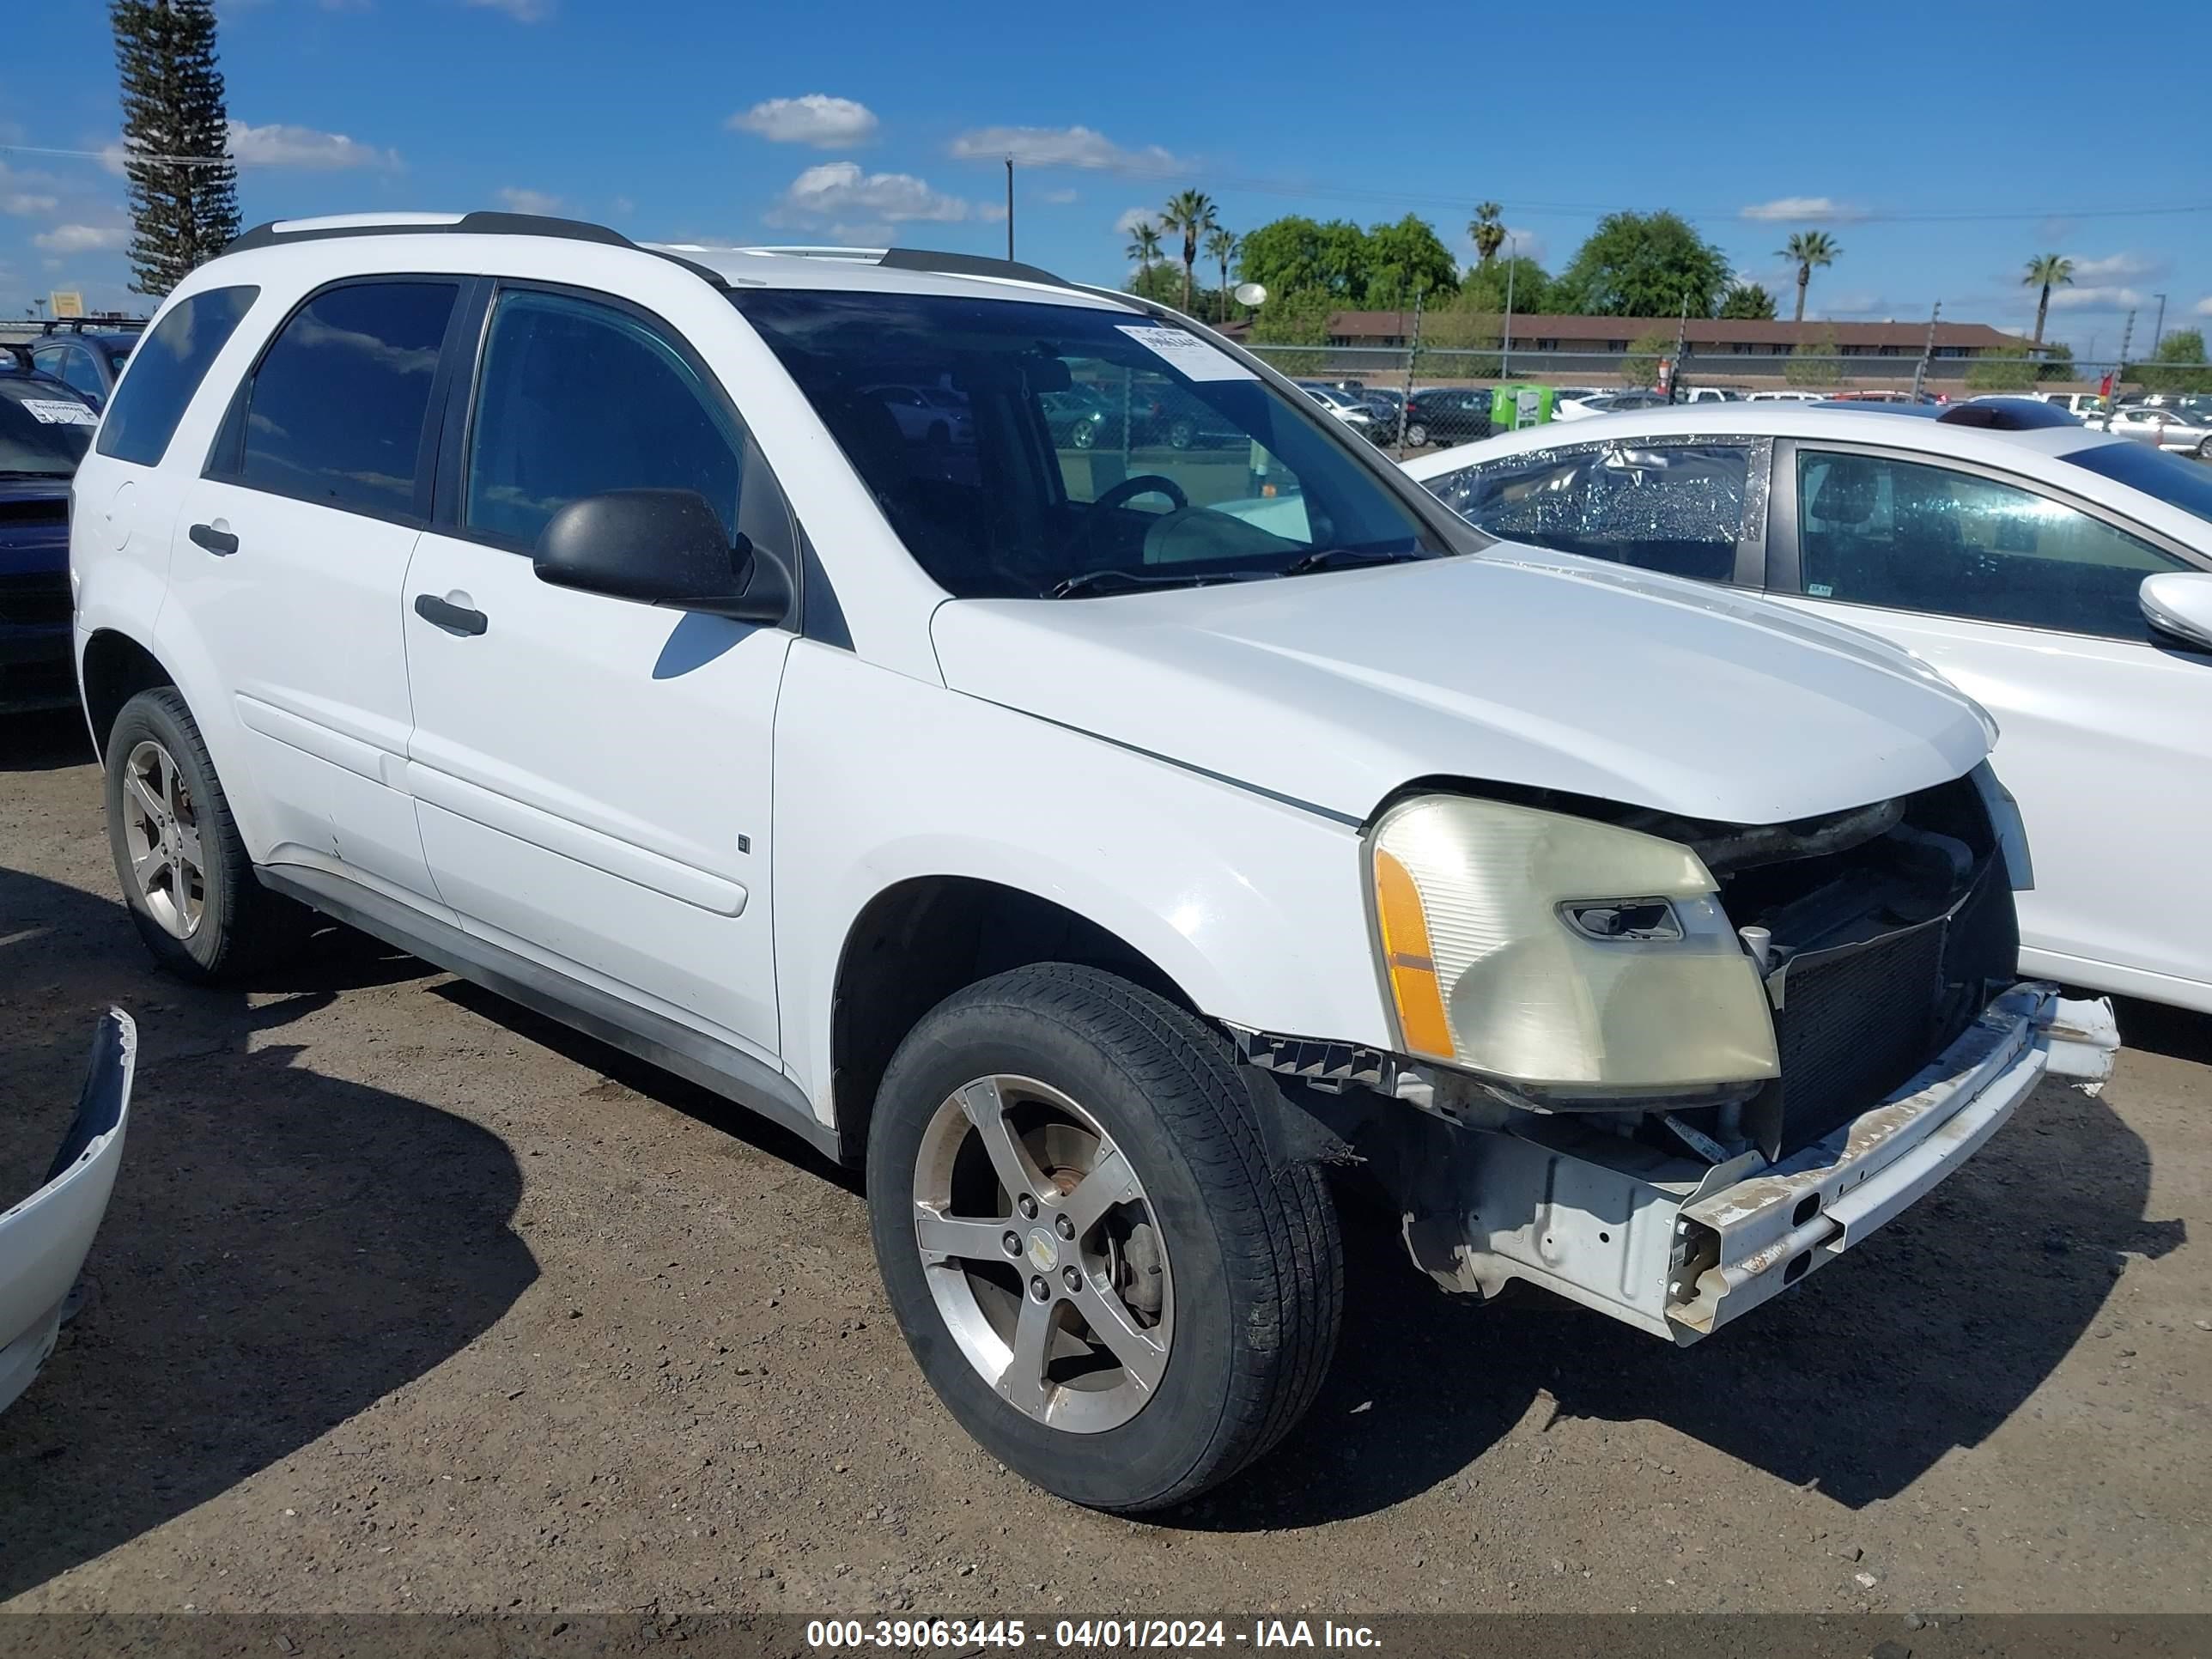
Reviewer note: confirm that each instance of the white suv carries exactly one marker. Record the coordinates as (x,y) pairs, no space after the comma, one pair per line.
(1096,840)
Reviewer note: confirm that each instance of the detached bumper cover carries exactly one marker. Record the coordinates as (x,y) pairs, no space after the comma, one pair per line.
(44,1240)
(1739,1246)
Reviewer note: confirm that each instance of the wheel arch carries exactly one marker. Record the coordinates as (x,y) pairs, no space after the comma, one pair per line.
(922,938)
(115,669)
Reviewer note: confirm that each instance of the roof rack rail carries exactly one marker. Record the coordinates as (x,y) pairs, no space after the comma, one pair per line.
(967,264)
(279,233)
(98,321)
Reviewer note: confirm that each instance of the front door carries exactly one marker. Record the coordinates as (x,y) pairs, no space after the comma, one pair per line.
(2027,603)
(592,775)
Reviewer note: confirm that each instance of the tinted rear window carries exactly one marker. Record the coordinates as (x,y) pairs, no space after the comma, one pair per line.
(166,369)
(2177,482)
(44,428)
(335,412)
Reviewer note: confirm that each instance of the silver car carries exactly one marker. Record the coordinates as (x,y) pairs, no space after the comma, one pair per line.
(2185,428)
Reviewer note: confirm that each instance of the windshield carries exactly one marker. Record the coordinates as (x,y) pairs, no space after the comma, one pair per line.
(45,429)
(2177,482)
(1187,467)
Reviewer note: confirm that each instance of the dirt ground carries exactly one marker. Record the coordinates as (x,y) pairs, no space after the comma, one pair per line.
(409,1300)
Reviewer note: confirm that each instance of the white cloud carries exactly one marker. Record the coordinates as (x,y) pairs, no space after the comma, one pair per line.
(2097,298)
(1064,147)
(1056,197)
(817,119)
(838,189)
(528,201)
(82,238)
(622,207)
(24,202)
(1802,210)
(523,11)
(277,145)
(2121,266)
(20,192)
(1132,217)
(2203,307)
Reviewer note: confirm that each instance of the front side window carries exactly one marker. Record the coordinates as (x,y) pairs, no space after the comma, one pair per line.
(166,369)
(77,368)
(1874,531)
(335,412)
(1676,508)
(1094,450)
(578,399)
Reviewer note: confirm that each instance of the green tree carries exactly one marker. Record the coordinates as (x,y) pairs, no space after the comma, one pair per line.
(1810,250)
(1641,366)
(1483,288)
(2057,363)
(1191,213)
(184,206)
(2178,365)
(1644,264)
(1159,282)
(1748,303)
(2010,370)
(1459,327)
(1221,249)
(1486,230)
(1294,254)
(1296,319)
(1144,247)
(1403,260)
(2049,271)
(1812,363)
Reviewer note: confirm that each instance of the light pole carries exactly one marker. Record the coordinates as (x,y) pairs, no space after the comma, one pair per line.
(2158,333)
(1506,346)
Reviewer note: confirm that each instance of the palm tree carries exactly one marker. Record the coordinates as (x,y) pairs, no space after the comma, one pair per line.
(2050,270)
(1809,248)
(1191,212)
(1487,231)
(1221,247)
(1144,246)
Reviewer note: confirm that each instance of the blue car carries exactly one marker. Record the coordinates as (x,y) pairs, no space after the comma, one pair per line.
(45,429)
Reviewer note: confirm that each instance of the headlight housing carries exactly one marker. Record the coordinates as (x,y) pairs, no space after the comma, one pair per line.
(1558,952)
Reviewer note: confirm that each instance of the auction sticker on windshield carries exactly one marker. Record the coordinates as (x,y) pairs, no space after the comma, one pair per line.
(1194,357)
(55,412)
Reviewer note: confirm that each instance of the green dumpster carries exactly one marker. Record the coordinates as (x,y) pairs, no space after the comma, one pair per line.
(1518,403)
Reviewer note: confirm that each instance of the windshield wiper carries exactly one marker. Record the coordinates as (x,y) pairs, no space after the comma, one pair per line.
(1100,582)
(1342,559)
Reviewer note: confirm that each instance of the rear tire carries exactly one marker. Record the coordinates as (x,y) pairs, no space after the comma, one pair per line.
(1181,435)
(1238,1266)
(1417,435)
(186,878)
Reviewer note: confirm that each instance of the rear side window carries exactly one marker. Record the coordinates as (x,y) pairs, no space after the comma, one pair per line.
(334,413)
(166,369)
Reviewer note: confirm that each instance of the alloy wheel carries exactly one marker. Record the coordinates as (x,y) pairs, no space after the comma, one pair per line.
(1043,1255)
(161,833)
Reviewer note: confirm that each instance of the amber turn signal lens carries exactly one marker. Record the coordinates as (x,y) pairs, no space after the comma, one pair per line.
(1407,959)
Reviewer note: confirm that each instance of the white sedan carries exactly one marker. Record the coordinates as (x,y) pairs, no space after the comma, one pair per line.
(2060,576)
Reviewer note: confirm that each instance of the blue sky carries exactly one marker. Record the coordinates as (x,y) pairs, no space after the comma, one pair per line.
(1941,145)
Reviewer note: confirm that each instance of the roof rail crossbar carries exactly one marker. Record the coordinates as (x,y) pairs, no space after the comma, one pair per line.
(280,232)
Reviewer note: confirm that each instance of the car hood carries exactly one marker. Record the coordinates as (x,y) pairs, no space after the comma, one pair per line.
(1512,665)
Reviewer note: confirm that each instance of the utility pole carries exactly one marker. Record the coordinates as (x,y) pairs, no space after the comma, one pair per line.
(1506,349)
(2159,332)
(1010,208)
(2120,369)
(1927,353)
(1681,346)
(1404,403)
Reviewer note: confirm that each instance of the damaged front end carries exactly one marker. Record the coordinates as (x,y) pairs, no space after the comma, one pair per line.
(1883,942)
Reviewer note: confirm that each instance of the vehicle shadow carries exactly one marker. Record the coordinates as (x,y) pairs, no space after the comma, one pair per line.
(284,1248)
(1923,1340)
(642,1077)
(44,740)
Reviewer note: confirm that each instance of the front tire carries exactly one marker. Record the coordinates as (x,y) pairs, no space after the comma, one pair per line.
(1081,1237)
(1182,434)
(186,878)
(1417,435)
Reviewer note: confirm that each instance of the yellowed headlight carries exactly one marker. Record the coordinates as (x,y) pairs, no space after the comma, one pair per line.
(1487,972)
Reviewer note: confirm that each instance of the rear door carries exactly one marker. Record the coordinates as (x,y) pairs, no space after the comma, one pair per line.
(593,775)
(2025,598)
(290,553)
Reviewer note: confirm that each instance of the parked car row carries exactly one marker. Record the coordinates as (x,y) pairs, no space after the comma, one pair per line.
(45,426)
(734,655)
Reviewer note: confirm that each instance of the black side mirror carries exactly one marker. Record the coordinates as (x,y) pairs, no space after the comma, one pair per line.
(662,547)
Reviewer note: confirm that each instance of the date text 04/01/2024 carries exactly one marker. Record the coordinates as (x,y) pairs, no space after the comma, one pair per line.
(1172,1635)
